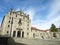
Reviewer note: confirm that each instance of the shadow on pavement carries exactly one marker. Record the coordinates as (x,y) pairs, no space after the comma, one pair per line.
(8,41)
(12,42)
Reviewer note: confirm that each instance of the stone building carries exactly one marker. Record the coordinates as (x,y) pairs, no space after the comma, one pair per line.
(41,34)
(0,30)
(16,24)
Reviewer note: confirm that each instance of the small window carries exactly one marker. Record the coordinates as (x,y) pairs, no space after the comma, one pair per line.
(7,31)
(27,33)
(8,25)
(14,33)
(27,28)
(9,21)
(9,17)
(42,37)
(19,22)
(27,21)
(27,24)
(33,35)
(16,15)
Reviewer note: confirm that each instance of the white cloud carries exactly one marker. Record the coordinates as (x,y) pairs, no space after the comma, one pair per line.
(55,7)
(45,24)
(53,16)
(31,12)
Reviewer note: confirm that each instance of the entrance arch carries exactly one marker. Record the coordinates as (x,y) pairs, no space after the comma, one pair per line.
(33,35)
(54,35)
(19,34)
(22,34)
(14,32)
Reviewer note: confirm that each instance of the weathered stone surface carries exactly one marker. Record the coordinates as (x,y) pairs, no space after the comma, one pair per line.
(25,41)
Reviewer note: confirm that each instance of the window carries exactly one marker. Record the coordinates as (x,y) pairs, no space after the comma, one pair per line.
(22,34)
(40,33)
(42,37)
(54,34)
(12,20)
(27,24)
(33,35)
(9,21)
(19,34)
(27,28)
(9,17)
(8,25)
(27,33)
(27,21)
(7,32)
(14,33)
(19,22)
(16,15)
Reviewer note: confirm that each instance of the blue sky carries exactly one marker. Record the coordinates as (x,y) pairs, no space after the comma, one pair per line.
(42,12)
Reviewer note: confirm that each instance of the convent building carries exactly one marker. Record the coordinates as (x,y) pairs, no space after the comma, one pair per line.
(18,24)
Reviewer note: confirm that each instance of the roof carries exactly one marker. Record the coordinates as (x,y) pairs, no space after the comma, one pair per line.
(34,28)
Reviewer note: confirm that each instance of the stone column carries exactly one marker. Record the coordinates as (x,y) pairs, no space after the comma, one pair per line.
(21,34)
(16,34)
(12,34)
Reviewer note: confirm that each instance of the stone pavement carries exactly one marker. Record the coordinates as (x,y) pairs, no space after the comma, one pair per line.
(24,41)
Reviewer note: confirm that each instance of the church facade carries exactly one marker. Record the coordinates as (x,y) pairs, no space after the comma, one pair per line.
(18,24)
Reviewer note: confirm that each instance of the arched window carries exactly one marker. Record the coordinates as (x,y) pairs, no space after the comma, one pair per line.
(14,32)
(54,34)
(19,34)
(42,37)
(33,35)
(22,34)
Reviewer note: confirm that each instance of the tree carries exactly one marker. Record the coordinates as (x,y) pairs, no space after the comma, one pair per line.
(53,28)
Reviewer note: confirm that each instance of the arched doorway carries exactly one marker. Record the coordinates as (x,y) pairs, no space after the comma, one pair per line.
(54,35)
(14,32)
(22,34)
(42,37)
(19,34)
(33,35)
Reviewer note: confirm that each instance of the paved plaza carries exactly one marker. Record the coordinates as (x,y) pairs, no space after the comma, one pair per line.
(35,42)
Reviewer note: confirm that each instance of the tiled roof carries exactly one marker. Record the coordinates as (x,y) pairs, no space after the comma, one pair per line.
(34,28)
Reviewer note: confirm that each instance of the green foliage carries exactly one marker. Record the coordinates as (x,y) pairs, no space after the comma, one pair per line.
(53,28)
